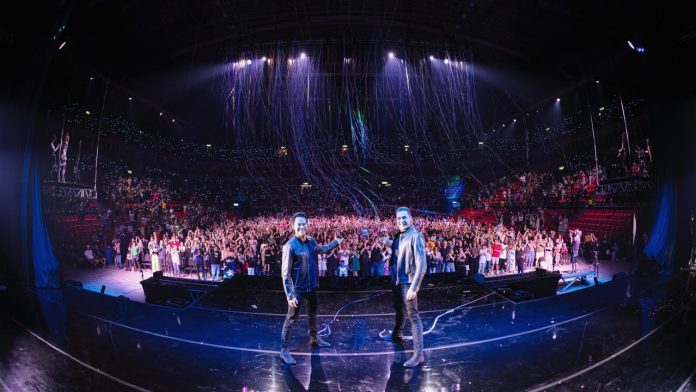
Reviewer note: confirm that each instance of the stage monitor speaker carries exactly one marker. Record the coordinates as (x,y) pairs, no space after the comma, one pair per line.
(73,283)
(157,275)
(540,271)
(480,278)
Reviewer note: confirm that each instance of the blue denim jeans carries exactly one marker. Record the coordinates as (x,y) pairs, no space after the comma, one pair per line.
(215,271)
(375,269)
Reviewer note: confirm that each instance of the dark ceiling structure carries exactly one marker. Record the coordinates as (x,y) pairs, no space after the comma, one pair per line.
(524,51)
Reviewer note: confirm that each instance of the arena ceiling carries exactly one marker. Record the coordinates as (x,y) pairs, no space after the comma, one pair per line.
(526,51)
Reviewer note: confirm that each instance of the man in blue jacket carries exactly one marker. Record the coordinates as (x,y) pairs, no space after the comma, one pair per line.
(407,268)
(300,274)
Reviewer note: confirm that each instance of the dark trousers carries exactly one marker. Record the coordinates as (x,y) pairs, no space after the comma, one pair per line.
(400,303)
(294,314)
(201,271)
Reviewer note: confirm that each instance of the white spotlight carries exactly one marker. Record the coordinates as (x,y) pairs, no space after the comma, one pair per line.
(514,120)
(558,100)
(432,58)
(130,98)
(303,55)
(446,61)
(161,114)
(391,55)
(263,58)
(630,45)
(173,120)
(248,62)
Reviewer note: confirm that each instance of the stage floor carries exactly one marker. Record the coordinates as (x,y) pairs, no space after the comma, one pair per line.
(628,334)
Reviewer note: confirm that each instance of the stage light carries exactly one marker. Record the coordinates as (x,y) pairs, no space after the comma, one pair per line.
(161,114)
(173,120)
(446,61)
(596,81)
(91,78)
(391,55)
(130,98)
(208,145)
(480,143)
(248,62)
(130,171)
(558,100)
(289,61)
(235,204)
(601,109)
(514,120)
(630,45)
(87,112)
(62,45)
(548,129)
(263,58)
(303,55)
(561,168)
(640,49)
(406,147)
(432,58)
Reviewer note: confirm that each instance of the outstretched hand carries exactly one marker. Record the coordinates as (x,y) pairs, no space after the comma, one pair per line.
(339,240)
(410,295)
(292,303)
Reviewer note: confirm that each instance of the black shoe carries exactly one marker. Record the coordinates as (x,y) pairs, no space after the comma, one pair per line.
(318,342)
(394,338)
(286,357)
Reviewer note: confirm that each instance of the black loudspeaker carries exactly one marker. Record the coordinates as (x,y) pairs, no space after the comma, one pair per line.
(540,271)
(103,289)
(157,275)
(619,276)
(73,283)
(480,278)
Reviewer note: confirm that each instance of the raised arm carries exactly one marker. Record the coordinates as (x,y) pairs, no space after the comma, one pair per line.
(328,247)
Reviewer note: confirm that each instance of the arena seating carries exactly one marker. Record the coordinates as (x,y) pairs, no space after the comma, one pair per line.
(603,222)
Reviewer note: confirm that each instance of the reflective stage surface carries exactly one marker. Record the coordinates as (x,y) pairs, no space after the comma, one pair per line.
(635,334)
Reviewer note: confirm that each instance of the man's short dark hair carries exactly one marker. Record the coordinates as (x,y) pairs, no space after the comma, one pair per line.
(408,210)
(298,215)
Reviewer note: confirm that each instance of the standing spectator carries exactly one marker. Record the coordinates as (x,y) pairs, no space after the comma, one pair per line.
(215,259)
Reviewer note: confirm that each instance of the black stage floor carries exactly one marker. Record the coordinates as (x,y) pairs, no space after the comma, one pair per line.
(628,334)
